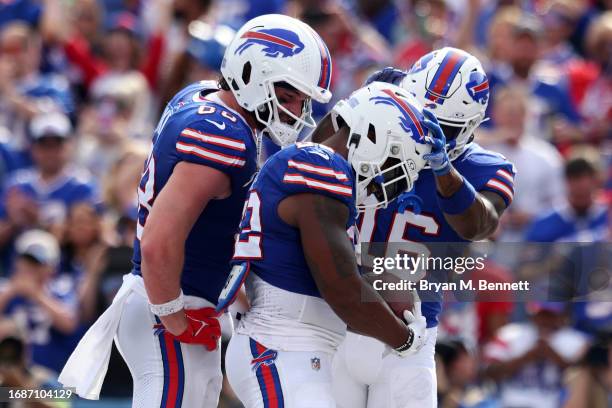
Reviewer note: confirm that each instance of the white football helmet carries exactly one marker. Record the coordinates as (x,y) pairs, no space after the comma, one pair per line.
(386,141)
(452,84)
(272,49)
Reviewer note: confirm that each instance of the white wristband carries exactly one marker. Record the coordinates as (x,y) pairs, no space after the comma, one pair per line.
(170,307)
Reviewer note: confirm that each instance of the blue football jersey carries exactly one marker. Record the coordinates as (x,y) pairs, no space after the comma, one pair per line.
(273,248)
(197,130)
(53,199)
(485,170)
(48,346)
(564,225)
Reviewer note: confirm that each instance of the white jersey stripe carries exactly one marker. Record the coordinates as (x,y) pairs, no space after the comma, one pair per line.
(505,174)
(320,185)
(501,187)
(210,155)
(217,140)
(323,171)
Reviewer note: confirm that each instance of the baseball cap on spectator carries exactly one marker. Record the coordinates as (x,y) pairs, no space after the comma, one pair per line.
(528,24)
(39,246)
(53,124)
(207,43)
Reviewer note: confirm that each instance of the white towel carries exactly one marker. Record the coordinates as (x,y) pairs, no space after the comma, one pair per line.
(88,363)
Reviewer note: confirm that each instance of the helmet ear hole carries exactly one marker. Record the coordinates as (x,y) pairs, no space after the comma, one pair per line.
(372,133)
(246,72)
(340,121)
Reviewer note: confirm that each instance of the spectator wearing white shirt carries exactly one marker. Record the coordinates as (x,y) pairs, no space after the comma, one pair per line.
(539,178)
(528,359)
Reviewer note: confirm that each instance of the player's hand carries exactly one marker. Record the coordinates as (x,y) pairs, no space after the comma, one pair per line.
(389,75)
(438,158)
(202,328)
(418,325)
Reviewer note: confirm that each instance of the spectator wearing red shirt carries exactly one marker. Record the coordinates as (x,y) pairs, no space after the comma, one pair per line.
(120,48)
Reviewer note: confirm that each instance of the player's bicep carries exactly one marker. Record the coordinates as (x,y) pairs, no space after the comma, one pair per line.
(327,248)
(183,198)
(206,145)
(496,200)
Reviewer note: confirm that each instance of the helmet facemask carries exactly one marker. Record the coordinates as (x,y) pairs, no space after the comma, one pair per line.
(458,134)
(384,181)
(269,112)
(385,143)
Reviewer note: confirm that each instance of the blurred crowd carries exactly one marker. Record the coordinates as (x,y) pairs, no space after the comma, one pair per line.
(82,84)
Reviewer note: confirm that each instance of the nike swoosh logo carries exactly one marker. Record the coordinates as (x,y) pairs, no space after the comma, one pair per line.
(202,326)
(250,180)
(221,125)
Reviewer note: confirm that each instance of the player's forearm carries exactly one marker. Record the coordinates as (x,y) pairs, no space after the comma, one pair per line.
(162,261)
(478,221)
(331,259)
(365,312)
(352,297)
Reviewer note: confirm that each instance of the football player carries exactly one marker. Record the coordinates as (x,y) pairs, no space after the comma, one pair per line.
(191,195)
(464,193)
(303,281)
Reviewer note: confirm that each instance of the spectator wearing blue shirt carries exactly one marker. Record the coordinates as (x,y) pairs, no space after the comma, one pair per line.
(550,101)
(582,218)
(42,195)
(24,91)
(42,303)
(9,160)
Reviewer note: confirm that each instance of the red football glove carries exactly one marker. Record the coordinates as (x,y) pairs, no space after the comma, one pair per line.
(203,328)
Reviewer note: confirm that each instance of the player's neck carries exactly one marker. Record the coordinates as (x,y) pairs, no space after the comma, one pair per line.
(338,142)
(228,98)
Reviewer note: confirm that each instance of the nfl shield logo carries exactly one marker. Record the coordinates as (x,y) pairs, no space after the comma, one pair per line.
(315,362)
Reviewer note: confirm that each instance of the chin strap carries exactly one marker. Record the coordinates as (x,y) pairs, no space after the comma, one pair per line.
(259,148)
(409,199)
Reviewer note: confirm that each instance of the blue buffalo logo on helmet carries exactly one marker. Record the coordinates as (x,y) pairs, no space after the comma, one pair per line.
(267,357)
(275,41)
(409,119)
(478,87)
(444,76)
(421,64)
